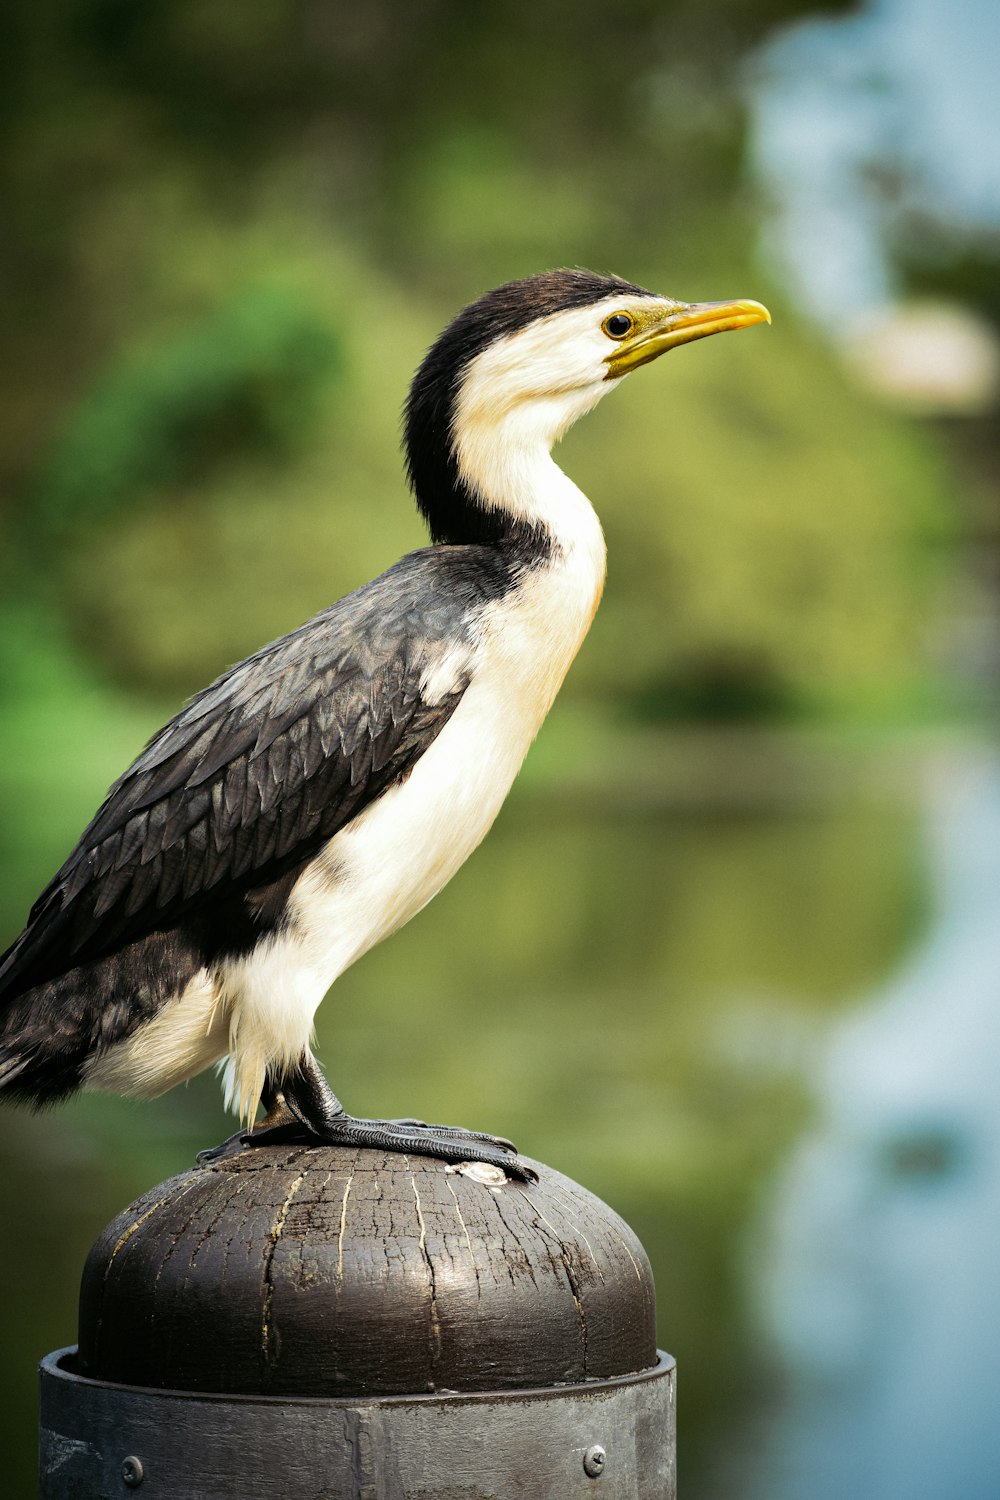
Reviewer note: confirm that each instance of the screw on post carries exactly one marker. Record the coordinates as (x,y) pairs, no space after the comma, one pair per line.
(594,1460)
(132,1471)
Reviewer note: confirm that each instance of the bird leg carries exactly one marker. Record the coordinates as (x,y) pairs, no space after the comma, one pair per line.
(302,1108)
(277,1118)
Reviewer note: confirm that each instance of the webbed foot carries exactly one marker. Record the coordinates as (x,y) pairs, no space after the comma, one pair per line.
(305,1111)
(410,1136)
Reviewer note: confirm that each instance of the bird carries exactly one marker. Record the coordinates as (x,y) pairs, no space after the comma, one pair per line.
(314,798)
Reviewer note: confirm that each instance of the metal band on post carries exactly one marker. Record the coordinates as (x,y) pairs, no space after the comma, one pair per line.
(176,1445)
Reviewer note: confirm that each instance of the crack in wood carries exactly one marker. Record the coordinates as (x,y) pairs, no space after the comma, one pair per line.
(340,1232)
(577,1230)
(275,1236)
(468,1239)
(512,1231)
(571,1279)
(176,1236)
(635,1264)
(123,1240)
(434,1315)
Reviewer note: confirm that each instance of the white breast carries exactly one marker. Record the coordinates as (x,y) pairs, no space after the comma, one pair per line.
(388,863)
(396,855)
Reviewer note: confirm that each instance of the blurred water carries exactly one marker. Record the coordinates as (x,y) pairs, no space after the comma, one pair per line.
(876,1271)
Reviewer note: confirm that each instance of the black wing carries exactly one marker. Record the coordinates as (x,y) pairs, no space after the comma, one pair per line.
(259,769)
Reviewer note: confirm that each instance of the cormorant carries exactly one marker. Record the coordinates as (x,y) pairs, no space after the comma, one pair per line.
(314,798)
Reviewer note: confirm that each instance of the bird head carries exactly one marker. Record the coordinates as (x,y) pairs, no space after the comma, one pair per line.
(516,368)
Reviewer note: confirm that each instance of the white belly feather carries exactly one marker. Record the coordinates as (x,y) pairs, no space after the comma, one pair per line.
(397,854)
(381,869)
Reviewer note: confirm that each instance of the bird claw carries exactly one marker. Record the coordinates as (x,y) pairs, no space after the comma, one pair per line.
(458,1132)
(277,1127)
(445,1142)
(228,1147)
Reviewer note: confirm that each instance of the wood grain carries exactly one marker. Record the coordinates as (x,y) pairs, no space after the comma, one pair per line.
(329,1271)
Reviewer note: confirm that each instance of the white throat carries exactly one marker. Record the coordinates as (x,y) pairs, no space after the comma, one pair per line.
(516,400)
(520,477)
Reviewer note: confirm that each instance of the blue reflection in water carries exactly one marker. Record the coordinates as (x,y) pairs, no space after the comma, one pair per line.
(878,1272)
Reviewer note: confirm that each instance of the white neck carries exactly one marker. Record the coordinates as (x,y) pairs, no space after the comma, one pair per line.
(505,472)
(557,598)
(502,437)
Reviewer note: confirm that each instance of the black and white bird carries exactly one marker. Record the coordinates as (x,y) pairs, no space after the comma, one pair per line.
(317,795)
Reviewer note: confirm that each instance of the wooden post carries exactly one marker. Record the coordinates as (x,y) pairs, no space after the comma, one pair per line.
(354,1325)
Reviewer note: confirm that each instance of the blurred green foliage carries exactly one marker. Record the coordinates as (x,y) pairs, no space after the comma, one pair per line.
(243,380)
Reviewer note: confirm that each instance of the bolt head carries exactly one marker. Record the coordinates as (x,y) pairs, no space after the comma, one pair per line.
(594,1460)
(132,1471)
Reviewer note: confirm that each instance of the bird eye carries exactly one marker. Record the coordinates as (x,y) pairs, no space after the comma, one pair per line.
(618,325)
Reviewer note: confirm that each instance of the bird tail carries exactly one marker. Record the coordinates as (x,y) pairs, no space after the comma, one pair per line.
(36,1068)
(12,1065)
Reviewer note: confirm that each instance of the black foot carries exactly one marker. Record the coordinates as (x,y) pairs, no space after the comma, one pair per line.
(456,1132)
(227,1147)
(411,1136)
(449,1143)
(305,1111)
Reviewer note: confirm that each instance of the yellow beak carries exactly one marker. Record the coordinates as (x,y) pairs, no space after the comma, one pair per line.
(681,325)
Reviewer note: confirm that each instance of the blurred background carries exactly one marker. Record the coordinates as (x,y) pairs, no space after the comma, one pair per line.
(730,956)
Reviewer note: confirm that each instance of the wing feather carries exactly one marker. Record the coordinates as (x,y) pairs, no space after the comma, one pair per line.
(262,767)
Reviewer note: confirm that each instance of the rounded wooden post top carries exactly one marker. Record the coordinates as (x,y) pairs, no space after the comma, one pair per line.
(330,1271)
